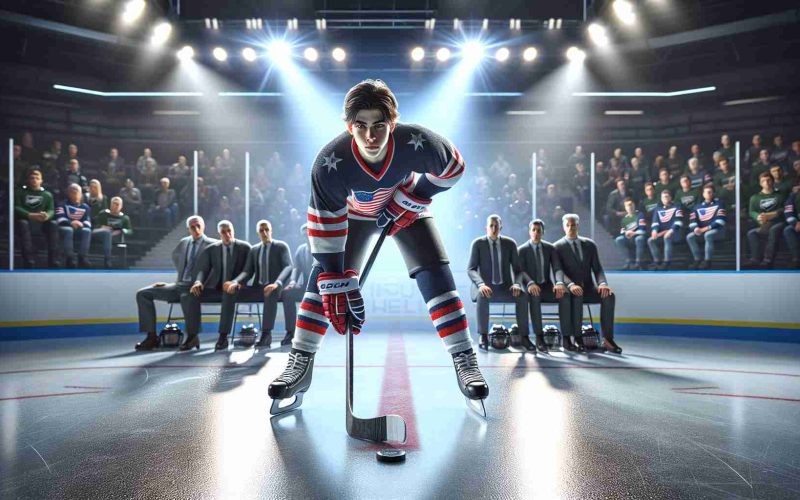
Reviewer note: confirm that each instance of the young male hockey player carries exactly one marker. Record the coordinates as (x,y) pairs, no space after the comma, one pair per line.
(377,172)
(706,222)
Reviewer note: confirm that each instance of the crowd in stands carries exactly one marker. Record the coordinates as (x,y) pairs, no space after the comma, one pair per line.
(647,204)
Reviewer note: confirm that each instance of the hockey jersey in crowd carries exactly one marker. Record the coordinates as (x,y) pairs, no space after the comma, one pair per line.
(687,199)
(344,186)
(664,218)
(762,203)
(791,211)
(708,214)
(635,223)
(68,212)
(119,221)
(32,200)
(700,179)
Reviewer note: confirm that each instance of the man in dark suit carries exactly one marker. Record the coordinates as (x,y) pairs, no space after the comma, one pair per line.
(293,292)
(580,263)
(269,265)
(216,267)
(494,270)
(539,263)
(184,258)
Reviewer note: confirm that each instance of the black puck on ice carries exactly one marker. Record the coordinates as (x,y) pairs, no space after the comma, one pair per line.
(390,455)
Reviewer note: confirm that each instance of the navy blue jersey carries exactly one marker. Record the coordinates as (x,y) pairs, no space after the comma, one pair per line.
(344,185)
(708,214)
(68,212)
(664,218)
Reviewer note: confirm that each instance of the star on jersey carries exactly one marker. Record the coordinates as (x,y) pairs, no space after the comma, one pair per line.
(417,140)
(330,162)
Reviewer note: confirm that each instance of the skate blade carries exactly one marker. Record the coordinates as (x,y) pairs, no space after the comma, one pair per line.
(477,406)
(277,409)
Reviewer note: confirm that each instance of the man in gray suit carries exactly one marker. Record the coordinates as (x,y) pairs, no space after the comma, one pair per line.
(217,265)
(293,292)
(269,265)
(494,270)
(184,258)
(539,263)
(580,263)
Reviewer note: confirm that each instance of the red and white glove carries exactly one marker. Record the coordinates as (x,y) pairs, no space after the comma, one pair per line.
(341,299)
(402,209)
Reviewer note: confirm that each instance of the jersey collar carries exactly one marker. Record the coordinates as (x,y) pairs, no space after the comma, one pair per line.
(386,162)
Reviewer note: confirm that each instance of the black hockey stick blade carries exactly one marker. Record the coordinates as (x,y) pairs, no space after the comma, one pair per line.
(277,409)
(477,406)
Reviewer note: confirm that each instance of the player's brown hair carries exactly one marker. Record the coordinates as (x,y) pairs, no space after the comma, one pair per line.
(370,94)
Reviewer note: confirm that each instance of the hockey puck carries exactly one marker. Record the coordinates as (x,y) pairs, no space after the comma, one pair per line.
(390,455)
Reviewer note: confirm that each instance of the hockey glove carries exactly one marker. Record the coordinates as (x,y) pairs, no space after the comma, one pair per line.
(402,209)
(341,299)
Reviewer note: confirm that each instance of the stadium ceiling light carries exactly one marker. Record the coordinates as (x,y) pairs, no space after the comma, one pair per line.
(525,112)
(558,23)
(645,94)
(417,54)
(174,112)
(529,54)
(311,54)
(485,24)
(575,55)
(249,94)
(753,100)
(502,54)
(473,51)
(551,23)
(623,112)
(132,11)
(598,35)
(249,54)
(220,54)
(624,11)
(443,54)
(338,54)
(100,93)
(161,34)
(185,53)
(279,50)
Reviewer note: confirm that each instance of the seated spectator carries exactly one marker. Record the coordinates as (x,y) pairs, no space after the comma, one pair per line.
(687,196)
(706,222)
(132,198)
(148,176)
(74,176)
(179,173)
(794,154)
(577,157)
(766,211)
(632,235)
(580,183)
(666,223)
(110,224)
(715,158)
(621,160)
(644,161)
(224,211)
(549,203)
(96,200)
(146,161)
(615,171)
(29,152)
(791,233)
(51,157)
(500,169)
(72,154)
(615,207)
(636,177)
(675,163)
(237,201)
(698,176)
(606,180)
(115,171)
(660,163)
(165,205)
(753,152)
(796,176)
(780,182)
(33,210)
(509,187)
(779,154)
(207,197)
(21,167)
(228,161)
(727,150)
(725,182)
(699,156)
(759,167)
(649,201)
(74,216)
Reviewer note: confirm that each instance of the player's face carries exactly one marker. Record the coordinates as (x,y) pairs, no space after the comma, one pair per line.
(708,195)
(371,133)
(493,227)
(536,233)
(666,198)
(226,234)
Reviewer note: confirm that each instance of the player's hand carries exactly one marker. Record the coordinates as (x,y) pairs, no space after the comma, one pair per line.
(341,300)
(76,224)
(535,290)
(698,231)
(516,290)
(654,234)
(576,290)
(402,209)
(269,289)
(560,290)
(761,218)
(629,234)
(668,233)
(604,290)
(231,287)
(196,289)
(485,291)
(159,284)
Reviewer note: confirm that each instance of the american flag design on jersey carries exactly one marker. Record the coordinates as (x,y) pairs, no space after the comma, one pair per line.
(447,314)
(363,204)
(667,218)
(311,317)
(69,212)
(708,214)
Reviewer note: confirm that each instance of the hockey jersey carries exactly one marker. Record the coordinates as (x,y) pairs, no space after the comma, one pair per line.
(708,214)
(119,221)
(635,223)
(32,200)
(700,179)
(762,203)
(68,212)
(791,210)
(344,186)
(664,218)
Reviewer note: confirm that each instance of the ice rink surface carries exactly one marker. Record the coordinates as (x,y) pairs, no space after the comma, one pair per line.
(669,418)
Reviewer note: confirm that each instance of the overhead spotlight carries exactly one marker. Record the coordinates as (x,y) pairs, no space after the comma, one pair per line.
(248,24)
(518,24)
(456,24)
(443,54)
(597,33)
(132,11)
(161,34)
(551,23)
(418,54)
(220,54)
(485,24)
(529,54)
(311,54)
(292,24)
(558,23)
(215,23)
(260,23)
(279,50)
(208,23)
(575,55)
(624,11)
(338,54)
(473,51)
(430,24)
(321,24)
(502,54)
(186,53)
(249,54)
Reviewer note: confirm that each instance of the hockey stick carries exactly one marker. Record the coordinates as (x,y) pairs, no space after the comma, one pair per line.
(385,427)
